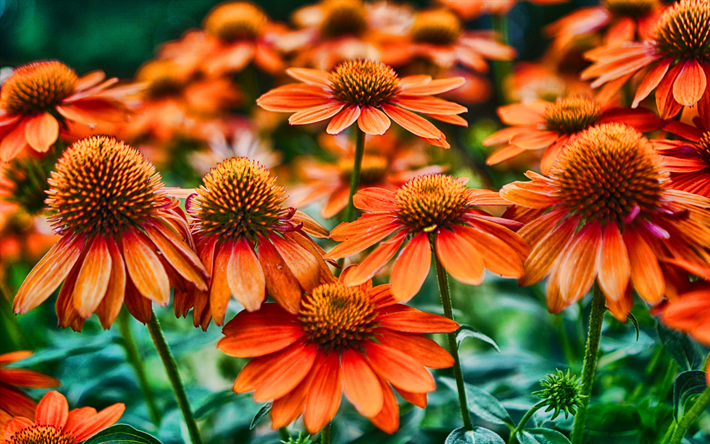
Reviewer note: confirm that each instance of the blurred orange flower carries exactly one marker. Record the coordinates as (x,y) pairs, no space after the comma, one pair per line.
(689,313)
(469,9)
(13,401)
(438,211)
(356,339)
(369,93)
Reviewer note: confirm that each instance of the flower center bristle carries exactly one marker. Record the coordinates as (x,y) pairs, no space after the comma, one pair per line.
(683,30)
(572,114)
(236,21)
(703,147)
(37,86)
(630,8)
(337,317)
(102,185)
(373,169)
(437,27)
(364,82)
(163,76)
(431,201)
(608,171)
(237,198)
(41,434)
(343,17)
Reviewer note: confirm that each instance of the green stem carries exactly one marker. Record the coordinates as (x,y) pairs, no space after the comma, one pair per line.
(453,345)
(325,435)
(596,319)
(12,325)
(502,69)
(284,435)
(690,416)
(355,178)
(161,345)
(529,414)
(134,357)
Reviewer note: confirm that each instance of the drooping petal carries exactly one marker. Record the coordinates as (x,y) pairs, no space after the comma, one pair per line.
(427,352)
(411,267)
(690,84)
(280,281)
(324,394)
(387,419)
(362,387)
(259,339)
(181,257)
(111,305)
(546,251)
(398,368)
(292,367)
(375,260)
(300,261)
(646,273)
(343,120)
(613,263)
(316,114)
(459,256)
(13,142)
(290,406)
(410,320)
(145,269)
(666,103)
(373,121)
(578,263)
(219,285)
(52,410)
(245,277)
(42,131)
(413,123)
(651,80)
(93,279)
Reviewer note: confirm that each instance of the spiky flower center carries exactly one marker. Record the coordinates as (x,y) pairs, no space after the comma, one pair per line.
(683,31)
(373,169)
(437,27)
(431,201)
(37,86)
(164,77)
(102,185)
(630,8)
(237,198)
(343,17)
(608,171)
(337,317)
(236,21)
(572,114)
(562,392)
(364,82)
(703,147)
(41,434)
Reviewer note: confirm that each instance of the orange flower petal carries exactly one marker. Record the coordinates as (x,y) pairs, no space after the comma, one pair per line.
(300,261)
(666,103)
(373,121)
(352,245)
(280,281)
(413,123)
(13,143)
(89,80)
(309,76)
(529,194)
(459,256)
(387,419)
(292,367)
(260,340)
(52,410)
(362,387)
(503,251)
(290,406)
(427,352)
(343,119)
(397,367)
(324,394)
(291,98)
(316,114)
(429,105)
(42,131)
(374,199)
(178,254)
(310,225)
(454,120)
(411,267)
(651,80)
(434,87)
(8,358)
(93,279)
(535,140)
(578,263)
(646,273)
(690,84)
(375,260)
(145,269)
(504,153)
(91,425)
(112,302)
(504,135)
(21,377)
(613,263)
(410,320)
(16,425)
(245,276)
(219,285)
(547,250)
(529,114)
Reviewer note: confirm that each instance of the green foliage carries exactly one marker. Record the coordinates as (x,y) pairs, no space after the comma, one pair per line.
(122,434)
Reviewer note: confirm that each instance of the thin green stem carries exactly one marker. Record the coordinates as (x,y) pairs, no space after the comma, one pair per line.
(502,69)
(355,178)
(529,414)
(453,345)
(161,345)
(325,435)
(134,357)
(596,319)
(690,416)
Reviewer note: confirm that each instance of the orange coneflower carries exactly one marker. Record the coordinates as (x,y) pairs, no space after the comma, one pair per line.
(123,240)
(13,401)
(40,96)
(55,424)
(553,126)
(469,9)
(370,93)
(354,339)
(438,211)
(675,61)
(607,213)
(250,243)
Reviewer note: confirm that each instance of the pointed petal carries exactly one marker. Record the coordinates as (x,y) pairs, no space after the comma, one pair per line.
(666,103)
(81,430)
(291,98)
(13,142)
(413,123)
(316,114)
(179,255)
(145,269)
(425,351)
(410,320)
(93,279)
(343,119)
(411,268)
(435,87)
(280,281)
(578,263)
(292,367)
(651,80)
(429,105)
(259,339)
(111,305)
(646,273)
(219,284)
(354,245)
(362,387)
(245,276)
(459,256)
(387,419)
(613,263)
(300,261)
(373,121)
(324,394)
(375,260)
(398,368)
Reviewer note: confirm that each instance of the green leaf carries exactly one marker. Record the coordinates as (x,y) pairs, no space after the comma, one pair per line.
(542,436)
(469,332)
(686,385)
(122,434)
(685,352)
(79,348)
(482,404)
(263,411)
(479,435)
(461,436)
(611,419)
(633,320)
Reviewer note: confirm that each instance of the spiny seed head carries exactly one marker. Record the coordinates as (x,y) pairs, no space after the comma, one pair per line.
(683,30)
(238,198)
(102,186)
(703,147)
(364,82)
(562,392)
(41,434)
(431,201)
(606,172)
(236,21)
(163,76)
(336,317)
(26,181)
(301,439)
(343,17)
(373,169)
(572,114)
(437,27)
(37,86)
(630,8)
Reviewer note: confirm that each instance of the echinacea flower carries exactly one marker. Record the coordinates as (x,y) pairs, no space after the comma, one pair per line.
(607,213)
(40,97)
(439,214)
(250,243)
(675,61)
(553,126)
(13,401)
(54,423)
(369,93)
(354,339)
(122,238)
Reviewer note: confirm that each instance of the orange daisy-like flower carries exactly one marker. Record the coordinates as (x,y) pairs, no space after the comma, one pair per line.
(55,424)
(36,95)
(553,126)
(123,240)
(607,213)
(354,339)
(675,61)
(13,401)
(250,243)
(369,93)
(438,212)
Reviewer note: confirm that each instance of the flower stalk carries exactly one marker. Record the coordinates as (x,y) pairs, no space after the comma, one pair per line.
(502,69)
(355,179)
(529,414)
(325,435)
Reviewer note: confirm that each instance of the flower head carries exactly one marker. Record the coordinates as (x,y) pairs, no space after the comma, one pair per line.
(439,213)
(370,93)
(13,401)
(688,162)
(351,338)
(562,392)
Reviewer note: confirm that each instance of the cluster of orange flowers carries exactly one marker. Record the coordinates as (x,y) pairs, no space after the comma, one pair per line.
(610,206)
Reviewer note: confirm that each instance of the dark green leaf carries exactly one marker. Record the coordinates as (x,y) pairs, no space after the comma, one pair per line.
(213,402)
(542,436)
(478,435)
(685,386)
(695,441)
(461,436)
(469,332)
(78,348)
(685,352)
(263,411)
(612,419)
(482,404)
(122,434)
